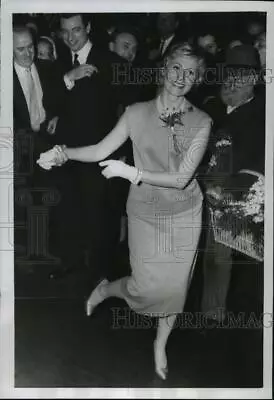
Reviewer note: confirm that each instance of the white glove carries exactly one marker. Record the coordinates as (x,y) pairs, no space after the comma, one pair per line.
(53,157)
(47,159)
(116,168)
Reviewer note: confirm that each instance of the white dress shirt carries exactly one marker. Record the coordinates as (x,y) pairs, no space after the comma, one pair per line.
(83,53)
(229,109)
(22,74)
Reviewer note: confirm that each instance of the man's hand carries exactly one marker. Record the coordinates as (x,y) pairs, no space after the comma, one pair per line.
(216,194)
(51,128)
(84,70)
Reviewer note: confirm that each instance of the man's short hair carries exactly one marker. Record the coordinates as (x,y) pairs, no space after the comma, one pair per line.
(124,29)
(21,29)
(85,17)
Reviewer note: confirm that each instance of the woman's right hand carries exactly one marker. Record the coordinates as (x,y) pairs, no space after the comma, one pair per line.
(54,157)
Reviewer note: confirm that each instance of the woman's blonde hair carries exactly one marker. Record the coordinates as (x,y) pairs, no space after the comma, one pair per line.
(188,50)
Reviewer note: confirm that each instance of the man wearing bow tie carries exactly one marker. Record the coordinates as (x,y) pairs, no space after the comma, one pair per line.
(90,111)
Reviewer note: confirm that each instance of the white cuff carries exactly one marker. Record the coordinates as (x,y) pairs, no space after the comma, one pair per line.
(69,84)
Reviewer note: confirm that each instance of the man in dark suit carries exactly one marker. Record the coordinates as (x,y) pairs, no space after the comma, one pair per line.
(243,125)
(136,79)
(35,90)
(37,96)
(167,26)
(88,227)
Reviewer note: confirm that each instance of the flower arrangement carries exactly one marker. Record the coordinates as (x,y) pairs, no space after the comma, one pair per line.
(252,207)
(242,220)
(237,214)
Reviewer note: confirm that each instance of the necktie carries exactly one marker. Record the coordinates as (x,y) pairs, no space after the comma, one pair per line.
(75,60)
(34,111)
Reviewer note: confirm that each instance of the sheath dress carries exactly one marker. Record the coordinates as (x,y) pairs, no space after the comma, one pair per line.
(164,224)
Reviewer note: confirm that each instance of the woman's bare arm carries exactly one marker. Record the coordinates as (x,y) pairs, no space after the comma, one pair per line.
(188,165)
(104,148)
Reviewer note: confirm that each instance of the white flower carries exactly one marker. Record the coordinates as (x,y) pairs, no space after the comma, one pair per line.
(223,143)
(218,213)
(213,161)
(258,218)
(251,209)
(253,205)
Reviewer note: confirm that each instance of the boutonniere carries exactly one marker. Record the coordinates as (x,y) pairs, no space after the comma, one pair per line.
(221,147)
(224,142)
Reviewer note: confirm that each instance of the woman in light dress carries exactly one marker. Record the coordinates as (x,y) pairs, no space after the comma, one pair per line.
(164,207)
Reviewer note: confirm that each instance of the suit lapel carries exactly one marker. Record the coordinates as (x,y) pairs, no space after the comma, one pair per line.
(94,58)
(42,76)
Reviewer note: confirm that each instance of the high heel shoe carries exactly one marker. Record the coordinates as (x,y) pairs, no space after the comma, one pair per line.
(160,359)
(162,373)
(95,298)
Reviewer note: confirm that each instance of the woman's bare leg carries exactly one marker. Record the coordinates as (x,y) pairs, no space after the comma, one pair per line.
(165,325)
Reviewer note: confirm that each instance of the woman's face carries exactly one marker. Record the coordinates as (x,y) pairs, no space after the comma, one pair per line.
(180,74)
(44,51)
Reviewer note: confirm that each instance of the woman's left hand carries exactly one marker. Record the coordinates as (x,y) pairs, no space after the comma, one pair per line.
(117,168)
